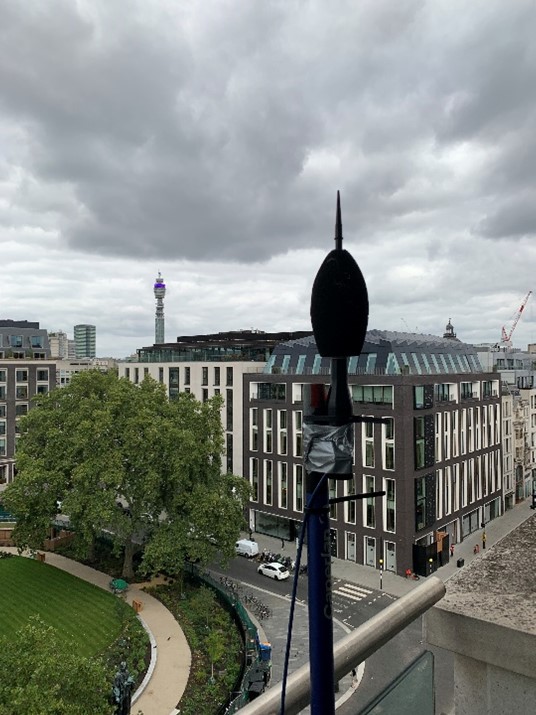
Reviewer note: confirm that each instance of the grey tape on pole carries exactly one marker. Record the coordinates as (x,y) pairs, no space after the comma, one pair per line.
(328,449)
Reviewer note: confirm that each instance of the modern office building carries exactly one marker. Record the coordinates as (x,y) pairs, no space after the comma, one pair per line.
(59,345)
(437,454)
(85,341)
(25,371)
(208,365)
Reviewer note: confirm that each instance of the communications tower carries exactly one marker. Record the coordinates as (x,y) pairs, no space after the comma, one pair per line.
(159,294)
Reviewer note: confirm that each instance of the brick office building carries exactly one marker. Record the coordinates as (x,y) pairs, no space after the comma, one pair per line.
(438,456)
(25,371)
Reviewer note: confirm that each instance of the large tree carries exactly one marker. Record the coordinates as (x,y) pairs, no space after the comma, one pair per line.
(40,675)
(102,443)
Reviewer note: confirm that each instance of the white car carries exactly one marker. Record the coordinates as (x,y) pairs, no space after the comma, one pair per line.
(274,570)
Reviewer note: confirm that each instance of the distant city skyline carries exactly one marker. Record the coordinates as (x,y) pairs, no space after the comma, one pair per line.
(208,140)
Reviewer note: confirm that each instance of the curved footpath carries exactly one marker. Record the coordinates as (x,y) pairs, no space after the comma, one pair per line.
(170,675)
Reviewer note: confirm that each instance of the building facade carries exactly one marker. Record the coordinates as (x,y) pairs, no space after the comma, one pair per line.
(25,371)
(85,337)
(208,365)
(437,454)
(59,345)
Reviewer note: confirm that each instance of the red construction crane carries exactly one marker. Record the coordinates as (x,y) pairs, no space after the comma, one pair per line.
(506,337)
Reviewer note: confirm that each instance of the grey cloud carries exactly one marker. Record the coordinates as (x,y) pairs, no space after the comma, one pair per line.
(186,133)
(513,218)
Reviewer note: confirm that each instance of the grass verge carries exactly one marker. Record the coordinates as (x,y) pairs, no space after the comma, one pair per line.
(94,621)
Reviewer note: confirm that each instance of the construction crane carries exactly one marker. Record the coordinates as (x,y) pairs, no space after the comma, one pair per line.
(506,336)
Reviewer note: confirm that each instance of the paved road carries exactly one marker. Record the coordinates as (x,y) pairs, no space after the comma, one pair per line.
(352,605)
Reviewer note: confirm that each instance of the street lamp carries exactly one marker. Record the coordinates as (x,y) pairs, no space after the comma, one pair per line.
(381,574)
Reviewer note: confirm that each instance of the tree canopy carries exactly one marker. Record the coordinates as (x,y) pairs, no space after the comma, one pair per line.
(123,458)
(40,675)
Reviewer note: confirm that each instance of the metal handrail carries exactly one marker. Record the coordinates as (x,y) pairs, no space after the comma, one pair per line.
(353,648)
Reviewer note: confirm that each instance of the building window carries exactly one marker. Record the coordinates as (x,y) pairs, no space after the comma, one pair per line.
(268,431)
(136,375)
(127,373)
(2,447)
(390,504)
(15,341)
(283,485)
(370,503)
(368,444)
(173,376)
(229,453)
(145,372)
(350,506)
(268,482)
(21,375)
(42,375)
(229,411)
(254,423)
(186,375)
(419,443)
(204,394)
(229,376)
(21,392)
(217,376)
(274,391)
(282,432)
(3,375)
(332,487)
(21,409)
(2,410)
(425,501)
(2,427)
(160,374)
(298,438)
(298,487)
(254,478)
(42,389)
(418,397)
(204,375)
(373,394)
(389,444)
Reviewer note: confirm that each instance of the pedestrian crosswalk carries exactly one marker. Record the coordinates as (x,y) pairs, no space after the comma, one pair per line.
(352,592)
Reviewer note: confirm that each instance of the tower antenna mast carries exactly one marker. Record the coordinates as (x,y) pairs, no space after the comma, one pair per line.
(159,294)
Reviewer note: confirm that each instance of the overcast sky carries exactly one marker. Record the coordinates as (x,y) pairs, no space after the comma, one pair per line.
(207,140)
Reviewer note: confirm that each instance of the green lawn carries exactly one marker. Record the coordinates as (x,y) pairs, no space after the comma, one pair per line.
(78,610)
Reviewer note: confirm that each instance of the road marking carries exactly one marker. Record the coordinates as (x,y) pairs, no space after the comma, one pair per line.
(354,593)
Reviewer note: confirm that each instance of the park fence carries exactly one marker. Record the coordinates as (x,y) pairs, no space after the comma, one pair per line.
(256,667)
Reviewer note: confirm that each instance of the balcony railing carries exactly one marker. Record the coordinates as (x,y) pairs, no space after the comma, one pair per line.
(353,648)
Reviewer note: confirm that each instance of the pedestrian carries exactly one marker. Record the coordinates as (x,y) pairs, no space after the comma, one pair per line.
(250,533)
(282,543)
(451,550)
(483,539)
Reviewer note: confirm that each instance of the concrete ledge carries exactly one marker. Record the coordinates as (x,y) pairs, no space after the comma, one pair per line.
(490,643)
(487,620)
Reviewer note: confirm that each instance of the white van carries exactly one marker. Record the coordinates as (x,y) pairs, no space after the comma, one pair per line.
(247,548)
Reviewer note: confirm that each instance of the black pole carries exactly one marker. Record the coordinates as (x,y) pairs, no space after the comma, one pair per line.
(319,590)
(339,316)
